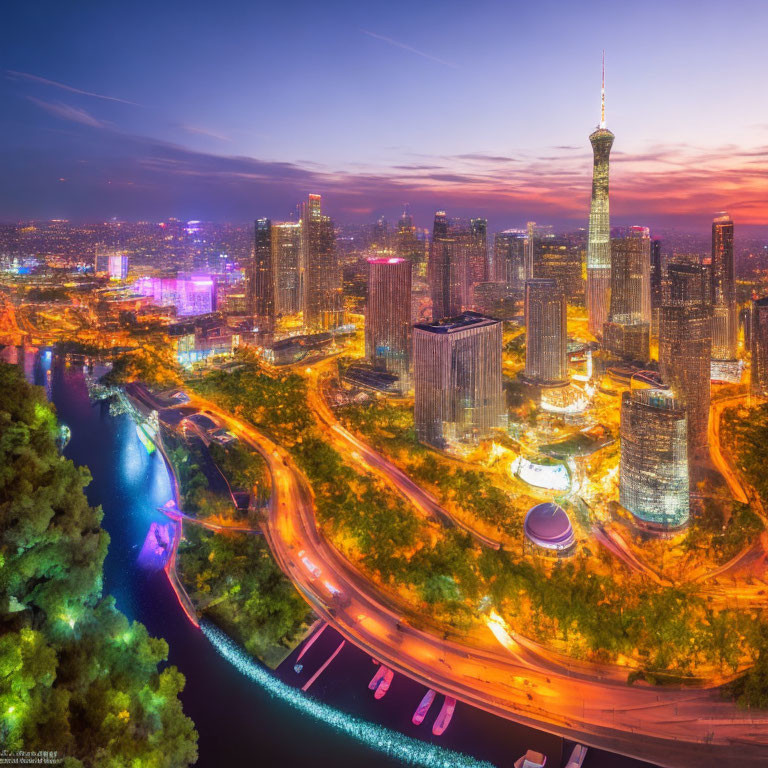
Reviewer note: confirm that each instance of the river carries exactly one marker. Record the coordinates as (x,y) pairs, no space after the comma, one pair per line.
(240,724)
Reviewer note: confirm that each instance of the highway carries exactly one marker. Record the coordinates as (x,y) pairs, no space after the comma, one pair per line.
(379,465)
(679,728)
(715,450)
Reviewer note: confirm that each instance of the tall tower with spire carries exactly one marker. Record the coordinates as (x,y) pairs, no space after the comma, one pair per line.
(599,242)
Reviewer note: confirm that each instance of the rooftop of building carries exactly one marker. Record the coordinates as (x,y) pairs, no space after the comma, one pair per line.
(386,260)
(458,323)
(548,526)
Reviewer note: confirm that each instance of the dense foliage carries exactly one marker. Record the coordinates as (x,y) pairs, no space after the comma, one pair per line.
(152,363)
(602,612)
(75,676)
(235,583)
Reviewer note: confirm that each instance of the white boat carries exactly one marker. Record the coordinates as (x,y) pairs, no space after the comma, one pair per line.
(444,716)
(531,759)
(383,686)
(423,708)
(576,759)
(376,679)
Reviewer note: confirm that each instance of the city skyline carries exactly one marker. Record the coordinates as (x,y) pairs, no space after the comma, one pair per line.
(415,335)
(219,133)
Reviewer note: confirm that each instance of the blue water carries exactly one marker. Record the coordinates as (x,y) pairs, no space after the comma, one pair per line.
(239,724)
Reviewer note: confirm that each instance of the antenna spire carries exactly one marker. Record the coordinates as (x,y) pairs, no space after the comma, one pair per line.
(602,96)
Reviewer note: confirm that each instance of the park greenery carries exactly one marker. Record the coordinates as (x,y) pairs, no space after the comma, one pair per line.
(465,490)
(231,577)
(76,677)
(235,583)
(592,609)
(745,435)
(152,363)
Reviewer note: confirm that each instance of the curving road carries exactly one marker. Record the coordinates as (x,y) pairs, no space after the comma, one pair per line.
(675,728)
(376,463)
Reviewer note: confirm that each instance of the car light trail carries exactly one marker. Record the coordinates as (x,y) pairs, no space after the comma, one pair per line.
(396,745)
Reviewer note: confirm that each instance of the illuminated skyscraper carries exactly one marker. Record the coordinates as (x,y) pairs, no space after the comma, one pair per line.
(545,333)
(509,258)
(653,470)
(321,275)
(759,346)
(599,240)
(407,244)
(457,379)
(286,260)
(261,278)
(559,259)
(627,332)
(687,284)
(118,266)
(657,282)
(449,267)
(478,251)
(685,349)
(388,317)
(723,291)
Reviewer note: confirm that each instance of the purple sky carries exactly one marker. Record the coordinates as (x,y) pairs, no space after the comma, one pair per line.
(234,110)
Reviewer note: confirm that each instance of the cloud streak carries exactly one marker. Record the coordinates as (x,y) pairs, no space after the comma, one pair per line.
(678,186)
(411,49)
(15,75)
(197,130)
(68,112)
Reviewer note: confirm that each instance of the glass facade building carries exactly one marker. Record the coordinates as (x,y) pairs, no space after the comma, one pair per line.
(545,333)
(723,291)
(457,379)
(261,278)
(286,260)
(653,469)
(627,332)
(388,317)
(685,347)
(759,345)
(320,271)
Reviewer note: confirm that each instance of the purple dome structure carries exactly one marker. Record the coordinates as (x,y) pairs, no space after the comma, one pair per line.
(547,525)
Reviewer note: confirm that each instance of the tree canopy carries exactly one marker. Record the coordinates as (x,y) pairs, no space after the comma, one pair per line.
(76,677)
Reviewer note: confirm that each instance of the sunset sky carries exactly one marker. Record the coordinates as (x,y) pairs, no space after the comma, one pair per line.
(232,110)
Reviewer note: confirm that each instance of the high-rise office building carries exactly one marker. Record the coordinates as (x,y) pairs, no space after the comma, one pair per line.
(559,258)
(627,332)
(321,276)
(723,291)
(286,261)
(388,317)
(440,225)
(509,258)
(447,278)
(407,244)
(118,266)
(599,239)
(457,379)
(758,337)
(261,278)
(686,284)
(545,333)
(380,235)
(478,251)
(449,271)
(685,349)
(653,469)
(110,262)
(657,284)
